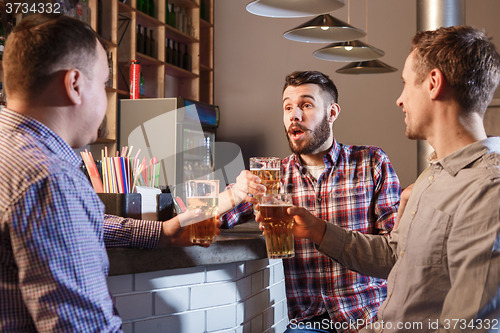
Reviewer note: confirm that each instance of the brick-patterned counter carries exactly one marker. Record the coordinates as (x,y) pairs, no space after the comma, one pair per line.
(230,287)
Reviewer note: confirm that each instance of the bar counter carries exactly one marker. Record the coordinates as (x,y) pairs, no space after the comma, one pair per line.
(242,243)
(228,287)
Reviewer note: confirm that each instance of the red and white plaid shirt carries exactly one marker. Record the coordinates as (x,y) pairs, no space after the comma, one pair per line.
(358,190)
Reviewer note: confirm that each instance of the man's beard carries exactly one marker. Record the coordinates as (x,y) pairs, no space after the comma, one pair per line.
(318,137)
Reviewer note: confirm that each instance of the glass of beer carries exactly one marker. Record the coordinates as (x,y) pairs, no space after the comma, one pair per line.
(203,195)
(268,169)
(278,225)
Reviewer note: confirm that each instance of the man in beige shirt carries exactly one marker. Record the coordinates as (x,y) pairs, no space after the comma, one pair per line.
(442,260)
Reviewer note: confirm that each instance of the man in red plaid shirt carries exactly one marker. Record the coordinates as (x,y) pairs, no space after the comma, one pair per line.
(351,186)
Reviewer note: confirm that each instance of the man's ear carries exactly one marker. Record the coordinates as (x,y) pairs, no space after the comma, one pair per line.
(437,83)
(73,85)
(333,112)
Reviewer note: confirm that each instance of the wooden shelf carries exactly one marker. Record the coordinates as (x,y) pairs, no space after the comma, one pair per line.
(119,24)
(205,24)
(179,72)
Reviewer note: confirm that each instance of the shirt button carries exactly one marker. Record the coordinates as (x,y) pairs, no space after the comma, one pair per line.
(401,253)
(319,199)
(431,178)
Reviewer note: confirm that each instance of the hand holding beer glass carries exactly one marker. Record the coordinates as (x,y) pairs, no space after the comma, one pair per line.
(277,225)
(203,195)
(276,222)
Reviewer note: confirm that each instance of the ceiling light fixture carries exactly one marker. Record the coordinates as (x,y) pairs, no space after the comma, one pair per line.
(324,29)
(353,50)
(293,8)
(366,67)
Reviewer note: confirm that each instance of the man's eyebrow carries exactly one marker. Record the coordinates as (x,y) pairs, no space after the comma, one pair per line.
(301,96)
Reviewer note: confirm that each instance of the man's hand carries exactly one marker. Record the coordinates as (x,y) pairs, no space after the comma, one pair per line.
(173,234)
(247,187)
(305,224)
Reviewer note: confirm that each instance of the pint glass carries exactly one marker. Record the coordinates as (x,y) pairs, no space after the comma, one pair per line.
(278,226)
(203,194)
(268,169)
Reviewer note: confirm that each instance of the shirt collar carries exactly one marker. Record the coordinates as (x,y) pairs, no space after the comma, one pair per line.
(461,158)
(18,122)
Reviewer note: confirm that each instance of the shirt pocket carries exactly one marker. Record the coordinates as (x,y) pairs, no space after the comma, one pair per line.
(351,208)
(427,237)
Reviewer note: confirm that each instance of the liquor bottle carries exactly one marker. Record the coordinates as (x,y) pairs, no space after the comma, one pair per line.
(141,5)
(175,58)
(152,44)
(147,42)
(141,85)
(203,10)
(167,12)
(168,52)
(172,16)
(151,8)
(140,41)
(186,59)
(179,56)
(2,39)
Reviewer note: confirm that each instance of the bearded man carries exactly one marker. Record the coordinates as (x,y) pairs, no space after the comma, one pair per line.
(354,187)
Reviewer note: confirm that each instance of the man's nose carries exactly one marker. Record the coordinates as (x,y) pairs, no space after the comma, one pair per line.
(296,114)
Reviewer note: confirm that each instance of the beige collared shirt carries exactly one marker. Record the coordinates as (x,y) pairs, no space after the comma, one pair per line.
(443,261)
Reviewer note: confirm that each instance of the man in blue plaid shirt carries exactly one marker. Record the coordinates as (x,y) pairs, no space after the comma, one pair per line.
(354,187)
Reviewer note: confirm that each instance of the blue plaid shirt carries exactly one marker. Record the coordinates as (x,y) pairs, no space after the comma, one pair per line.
(53,261)
(358,190)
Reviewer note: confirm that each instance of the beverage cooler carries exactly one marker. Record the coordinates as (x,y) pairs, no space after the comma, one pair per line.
(179,132)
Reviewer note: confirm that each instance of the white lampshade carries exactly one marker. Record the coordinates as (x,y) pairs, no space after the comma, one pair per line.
(293,8)
(348,51)
(324,29)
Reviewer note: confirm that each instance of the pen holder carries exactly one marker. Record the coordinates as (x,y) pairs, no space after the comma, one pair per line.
(129,205)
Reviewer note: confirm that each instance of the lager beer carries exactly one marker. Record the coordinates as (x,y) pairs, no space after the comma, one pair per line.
(278,227)
(270,179)
(268,170)
(204,232)
(203,195)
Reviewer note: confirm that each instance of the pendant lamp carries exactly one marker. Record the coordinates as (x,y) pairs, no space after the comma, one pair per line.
(366,67)
(324,29)
(293,8)
(354,50)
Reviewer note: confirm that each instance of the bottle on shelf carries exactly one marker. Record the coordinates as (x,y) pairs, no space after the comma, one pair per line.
(172,17)
(152,44)
(175,58)
(147,42)
(167,13)
(141,85)
(141,5)
(168,52)
(180,63)
(140,39)
(203,10)
(151,8)
(186,59)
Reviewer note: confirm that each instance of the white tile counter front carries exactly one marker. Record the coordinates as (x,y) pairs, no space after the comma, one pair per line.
(230,287)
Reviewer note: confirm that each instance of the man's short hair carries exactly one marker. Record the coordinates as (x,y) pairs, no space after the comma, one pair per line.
(42,44)
(466,57)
